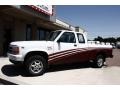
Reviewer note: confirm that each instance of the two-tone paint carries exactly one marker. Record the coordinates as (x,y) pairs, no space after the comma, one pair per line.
(78,55)
(59,52)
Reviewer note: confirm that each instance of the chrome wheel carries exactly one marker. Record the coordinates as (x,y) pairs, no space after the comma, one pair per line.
(100,62)
(36,66)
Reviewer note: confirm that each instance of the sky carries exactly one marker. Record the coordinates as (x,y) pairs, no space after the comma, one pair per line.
(96,20)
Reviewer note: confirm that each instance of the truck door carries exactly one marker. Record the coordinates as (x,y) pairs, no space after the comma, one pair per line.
(65,47)
(82,48)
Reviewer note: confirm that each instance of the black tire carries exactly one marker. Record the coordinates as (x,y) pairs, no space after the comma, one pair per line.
(99,62)
(36,65)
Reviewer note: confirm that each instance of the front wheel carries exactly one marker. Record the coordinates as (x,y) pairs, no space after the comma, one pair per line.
(36,65)
(99,62)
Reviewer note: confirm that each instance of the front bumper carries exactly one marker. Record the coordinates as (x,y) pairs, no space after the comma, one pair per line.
(15,57)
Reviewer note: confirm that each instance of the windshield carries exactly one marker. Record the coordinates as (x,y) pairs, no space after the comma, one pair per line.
(52,36)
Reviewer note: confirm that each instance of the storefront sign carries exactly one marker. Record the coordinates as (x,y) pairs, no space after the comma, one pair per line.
(47,9)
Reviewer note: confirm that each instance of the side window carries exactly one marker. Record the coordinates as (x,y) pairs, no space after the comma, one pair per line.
(80,38)
(68,37)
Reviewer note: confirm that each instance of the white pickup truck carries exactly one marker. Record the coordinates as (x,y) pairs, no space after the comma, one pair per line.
(61,47)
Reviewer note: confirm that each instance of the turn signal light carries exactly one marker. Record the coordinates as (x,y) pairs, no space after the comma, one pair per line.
(15,50)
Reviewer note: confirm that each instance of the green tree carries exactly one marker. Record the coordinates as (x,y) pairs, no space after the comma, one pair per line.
(99,38)
(118,39)
(105,40)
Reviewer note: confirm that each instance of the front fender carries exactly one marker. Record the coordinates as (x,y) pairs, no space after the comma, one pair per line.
(33,50)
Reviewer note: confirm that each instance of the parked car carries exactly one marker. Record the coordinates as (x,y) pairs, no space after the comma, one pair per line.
(61,47)
(113,45)
(118,46)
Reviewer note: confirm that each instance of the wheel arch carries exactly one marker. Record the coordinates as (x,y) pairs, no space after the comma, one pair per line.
(101,53)
(31,53)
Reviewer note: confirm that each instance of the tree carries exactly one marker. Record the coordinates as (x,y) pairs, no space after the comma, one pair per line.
(118,39)
(99,39)
(109,39)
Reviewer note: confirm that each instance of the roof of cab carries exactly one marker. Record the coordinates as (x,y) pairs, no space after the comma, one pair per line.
(68,31)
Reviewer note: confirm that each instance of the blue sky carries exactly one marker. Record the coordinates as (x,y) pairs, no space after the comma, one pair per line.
(96,20)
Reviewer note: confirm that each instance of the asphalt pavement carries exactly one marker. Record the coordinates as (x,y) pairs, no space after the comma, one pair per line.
(115,61)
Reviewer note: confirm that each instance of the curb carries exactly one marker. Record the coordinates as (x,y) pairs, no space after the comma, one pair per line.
(10,81)
(5,82)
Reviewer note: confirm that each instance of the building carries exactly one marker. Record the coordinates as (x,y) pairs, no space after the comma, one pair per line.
(27,22)
(79,29)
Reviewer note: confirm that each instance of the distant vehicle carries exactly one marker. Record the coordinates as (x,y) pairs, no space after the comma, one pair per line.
(118,46)
(61,47)
(113,45)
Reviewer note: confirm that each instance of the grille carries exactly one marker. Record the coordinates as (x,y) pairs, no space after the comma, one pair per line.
(10,49)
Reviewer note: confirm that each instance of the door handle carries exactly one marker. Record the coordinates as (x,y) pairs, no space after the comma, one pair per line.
(75,45)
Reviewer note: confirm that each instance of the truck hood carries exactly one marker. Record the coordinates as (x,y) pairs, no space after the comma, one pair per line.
(31,43)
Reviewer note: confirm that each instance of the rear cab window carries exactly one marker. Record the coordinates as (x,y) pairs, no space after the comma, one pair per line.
(80,38)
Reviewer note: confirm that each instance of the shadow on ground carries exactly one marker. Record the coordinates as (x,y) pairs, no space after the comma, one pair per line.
(12,70)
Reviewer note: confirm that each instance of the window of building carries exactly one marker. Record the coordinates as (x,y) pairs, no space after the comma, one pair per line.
(28,32)
(37,35)
(41,34)
(68,37)
(47,34)
(80,38)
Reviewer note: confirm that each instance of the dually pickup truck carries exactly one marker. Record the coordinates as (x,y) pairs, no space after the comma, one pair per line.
(61,47)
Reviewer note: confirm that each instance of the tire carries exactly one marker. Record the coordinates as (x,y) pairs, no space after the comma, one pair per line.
(99,62)
(36,65)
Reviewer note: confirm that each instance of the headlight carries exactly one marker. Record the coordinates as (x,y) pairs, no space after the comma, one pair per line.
(13,49)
